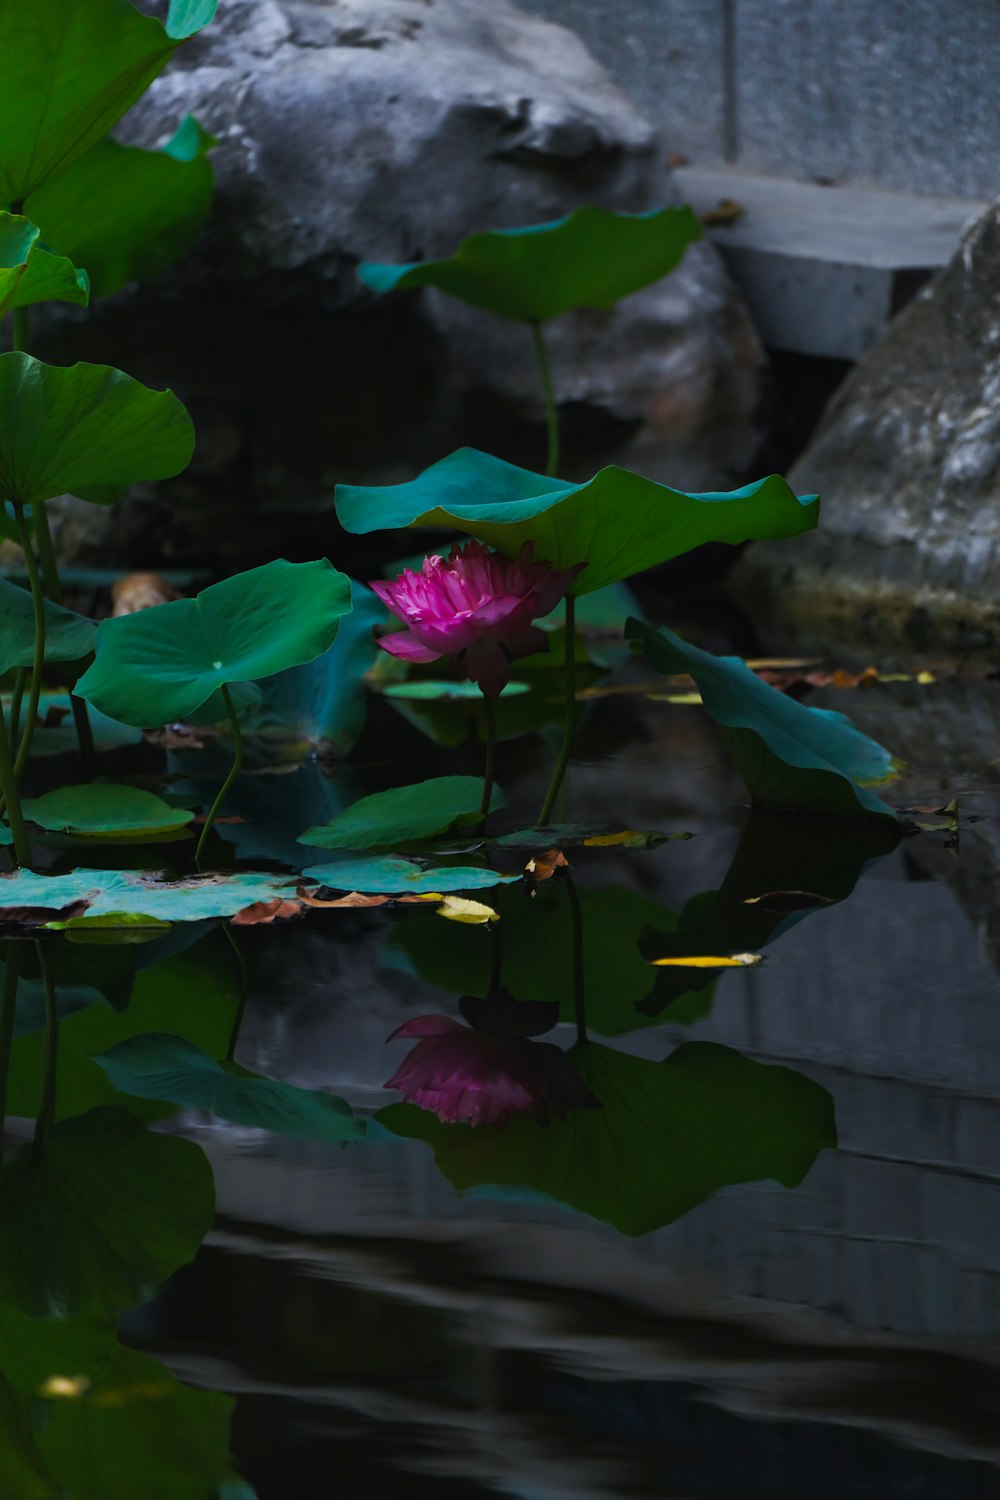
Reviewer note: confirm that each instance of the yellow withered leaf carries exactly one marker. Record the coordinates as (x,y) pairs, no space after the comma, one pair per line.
(733,961)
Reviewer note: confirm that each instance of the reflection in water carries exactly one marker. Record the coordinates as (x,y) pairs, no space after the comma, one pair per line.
(488,1376)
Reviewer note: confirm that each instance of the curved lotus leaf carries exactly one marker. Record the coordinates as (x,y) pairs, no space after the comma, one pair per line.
(101,1219)
(790,755)
(69,71)
(68,636)
(171,1068)
(32,1349)
(103,811)
(109,892)
(617,522)
(162,664)
(403,814)
(88,430)
(591,258)
(391,875)
(31,273)
(127,214)
(667,1136)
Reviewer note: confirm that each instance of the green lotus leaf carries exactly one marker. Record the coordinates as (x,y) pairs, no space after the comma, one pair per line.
(390,875)
(162,664)
(88,430)
(108,892)
(68,636)
(139,1431)
(385,820)
(792,756)
(55,732)
(68,72)
(617,522)
(98,1222)
(81,976)
(34,1349)
(125,213)
(667,1136)
(23,1472)
(31,273)
(171,1068)
(591,258)
(103,810)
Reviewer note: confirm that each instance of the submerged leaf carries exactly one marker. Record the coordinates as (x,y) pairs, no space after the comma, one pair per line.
(618,523)
(591,258)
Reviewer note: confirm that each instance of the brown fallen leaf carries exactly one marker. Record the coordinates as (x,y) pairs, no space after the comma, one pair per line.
(140,591)
(726,211)
(542,867)
(360,898)
(40,916)
(788,901)
(263,913)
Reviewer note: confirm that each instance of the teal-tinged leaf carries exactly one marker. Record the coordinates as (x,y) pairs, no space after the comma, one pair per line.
(387,820)
(31,273)
(389,875)
(140,1432)
(103,810)
(162,664)
(68,72)
(99,1221)
(33,1350)
(161,1066)
(667,1137)
(790,755)
(617,522)
(127,214)
(199,899)
(591,258)
(68,636)
(430,690)
(86,430)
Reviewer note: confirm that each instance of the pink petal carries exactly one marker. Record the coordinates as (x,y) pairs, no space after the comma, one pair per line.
(404,644)
(426,1026)
(487,665)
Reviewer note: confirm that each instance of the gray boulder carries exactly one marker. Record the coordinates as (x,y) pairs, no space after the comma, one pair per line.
(386,130)
(907,459)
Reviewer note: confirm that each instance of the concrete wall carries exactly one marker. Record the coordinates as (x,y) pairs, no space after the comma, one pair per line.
(898,94)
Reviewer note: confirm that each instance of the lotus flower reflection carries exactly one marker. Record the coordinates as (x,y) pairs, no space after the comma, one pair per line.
(475,603)
(493,1072)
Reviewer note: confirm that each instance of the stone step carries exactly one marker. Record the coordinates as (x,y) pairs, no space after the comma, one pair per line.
(825,268)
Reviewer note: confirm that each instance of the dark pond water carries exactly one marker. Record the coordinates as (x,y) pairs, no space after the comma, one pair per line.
(694,1331)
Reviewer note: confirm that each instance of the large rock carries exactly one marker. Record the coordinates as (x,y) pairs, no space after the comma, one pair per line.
(907,459)
(386,130)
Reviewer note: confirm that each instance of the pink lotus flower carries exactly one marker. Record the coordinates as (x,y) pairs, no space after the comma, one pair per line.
(477,603)
(488,1076)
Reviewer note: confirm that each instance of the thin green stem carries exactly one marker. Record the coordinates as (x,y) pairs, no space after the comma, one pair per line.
(551,409)
(489,771)
(579,992)
(569,681)
(47,1104)
(38,665)
(226,785)
(16,697)
(241,965)
(8,1009)
(54,591)
(12,803)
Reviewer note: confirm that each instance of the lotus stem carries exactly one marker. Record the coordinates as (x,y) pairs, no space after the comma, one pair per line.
(234,772)
(47,1104)
(16,698)
(241,968)
(569,680)
(551,409)
(579,993)
(38,664)
(8,1009)
(12,803)
(489,771)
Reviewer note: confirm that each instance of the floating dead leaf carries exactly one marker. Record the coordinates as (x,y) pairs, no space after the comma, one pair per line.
(630,838)
(360,898)
(726,211)
(732,961)
(543,866)
(788,901)
(780,663)
(694,697)
(40,916)
(461,909)
(140,591)
(843,679)
(263,913)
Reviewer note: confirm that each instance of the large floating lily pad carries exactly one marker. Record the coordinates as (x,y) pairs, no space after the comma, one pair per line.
(386,820)
(164,663)
(68,636)
(31,273)
(591,258)
(790,755)
(106,892)
(667,1135)
(170,1068)
(85,430)
(100,1220)
(69,71)
(127,214)
(101,810)
(390,875)
(618,523)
